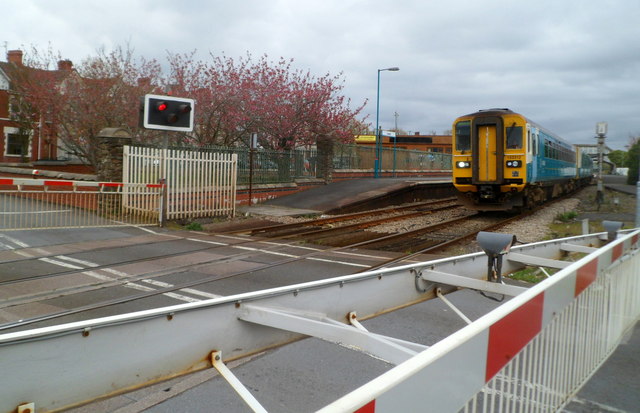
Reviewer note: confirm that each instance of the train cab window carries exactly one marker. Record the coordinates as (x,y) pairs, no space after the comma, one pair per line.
(514,137)
(463,136)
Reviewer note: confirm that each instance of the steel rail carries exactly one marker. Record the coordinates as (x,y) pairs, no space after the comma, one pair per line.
(173,271)
(187,267)
(133,261)
(369,223)
(336,218)
(444,244)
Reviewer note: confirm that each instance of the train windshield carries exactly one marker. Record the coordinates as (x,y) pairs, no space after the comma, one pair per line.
(514,137)
(463,136)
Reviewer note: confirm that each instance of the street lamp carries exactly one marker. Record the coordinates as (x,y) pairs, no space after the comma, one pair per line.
(377,162)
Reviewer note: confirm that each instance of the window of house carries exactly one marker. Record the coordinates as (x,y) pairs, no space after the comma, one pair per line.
(14,107)
(17,145)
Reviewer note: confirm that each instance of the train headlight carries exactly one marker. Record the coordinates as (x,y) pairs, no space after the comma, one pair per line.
(463,164)
(514,164)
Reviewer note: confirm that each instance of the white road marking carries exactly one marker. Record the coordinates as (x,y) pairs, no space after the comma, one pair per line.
(78,264)
(206,241)
(14,241)
(351,264)
(61,264)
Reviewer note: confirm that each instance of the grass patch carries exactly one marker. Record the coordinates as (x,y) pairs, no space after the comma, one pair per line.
(531,275)
(194,226)
(567,216)
(564,229)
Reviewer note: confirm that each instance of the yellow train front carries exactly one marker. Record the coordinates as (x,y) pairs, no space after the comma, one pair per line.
(502,161)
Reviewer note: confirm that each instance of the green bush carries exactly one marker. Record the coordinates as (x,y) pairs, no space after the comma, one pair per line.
(567,216)
(194,226)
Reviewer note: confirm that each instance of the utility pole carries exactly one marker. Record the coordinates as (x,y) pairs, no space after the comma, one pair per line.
(395,140)
(601,131)
(638,189)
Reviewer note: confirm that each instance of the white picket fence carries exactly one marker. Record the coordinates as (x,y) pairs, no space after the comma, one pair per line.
(198,184)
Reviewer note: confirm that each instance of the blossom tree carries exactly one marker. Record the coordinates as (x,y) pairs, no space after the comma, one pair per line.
(288,108)
(75,104)
(235,98)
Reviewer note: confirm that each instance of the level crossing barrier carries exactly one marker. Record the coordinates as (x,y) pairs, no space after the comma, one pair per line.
(530,354)
(41,204)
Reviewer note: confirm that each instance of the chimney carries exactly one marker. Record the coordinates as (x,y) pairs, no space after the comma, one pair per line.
(65,65)
(15,57)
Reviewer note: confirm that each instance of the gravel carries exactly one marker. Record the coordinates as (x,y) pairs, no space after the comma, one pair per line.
(530,229)
(533,228)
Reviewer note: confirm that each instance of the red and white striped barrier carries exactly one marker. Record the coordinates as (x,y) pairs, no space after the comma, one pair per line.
(62,183)
(556,323)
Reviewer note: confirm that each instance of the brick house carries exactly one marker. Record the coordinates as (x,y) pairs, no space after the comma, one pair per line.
(22,144)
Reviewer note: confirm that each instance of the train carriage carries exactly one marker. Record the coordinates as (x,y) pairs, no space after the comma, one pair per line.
(504,161)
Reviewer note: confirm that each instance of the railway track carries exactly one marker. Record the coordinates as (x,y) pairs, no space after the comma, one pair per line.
(364,219)
(245,249)
(433,235)
(409,244)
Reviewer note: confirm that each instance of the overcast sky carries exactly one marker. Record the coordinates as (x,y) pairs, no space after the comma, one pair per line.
(565,64)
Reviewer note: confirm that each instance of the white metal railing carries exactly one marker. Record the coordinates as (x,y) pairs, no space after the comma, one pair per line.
(532,354)
(40,203)
(557,362)
(198,183)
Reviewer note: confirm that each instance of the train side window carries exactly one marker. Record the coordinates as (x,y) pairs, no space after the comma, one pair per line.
(463,136)
(547,149)
(529,147)
(514,137)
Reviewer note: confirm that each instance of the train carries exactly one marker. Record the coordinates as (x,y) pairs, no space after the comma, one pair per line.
(503,161)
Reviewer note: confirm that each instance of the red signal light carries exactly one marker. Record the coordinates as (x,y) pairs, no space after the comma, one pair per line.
(167,113)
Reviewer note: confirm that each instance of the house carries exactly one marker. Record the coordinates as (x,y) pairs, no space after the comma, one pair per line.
(24,139)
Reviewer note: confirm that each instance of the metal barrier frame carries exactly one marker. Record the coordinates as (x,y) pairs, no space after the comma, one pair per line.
(45,204)
(532,354)
(510,348)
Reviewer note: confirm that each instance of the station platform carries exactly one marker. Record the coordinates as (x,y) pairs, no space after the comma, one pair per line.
(619,183)
(351,195)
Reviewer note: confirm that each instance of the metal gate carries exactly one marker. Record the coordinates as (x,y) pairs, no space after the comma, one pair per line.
(198,184)
(40,204)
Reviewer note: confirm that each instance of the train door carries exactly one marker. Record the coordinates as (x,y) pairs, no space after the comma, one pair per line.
(534,152)
(488,151)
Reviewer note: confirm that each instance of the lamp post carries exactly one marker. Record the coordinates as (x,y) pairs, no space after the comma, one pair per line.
(377,162)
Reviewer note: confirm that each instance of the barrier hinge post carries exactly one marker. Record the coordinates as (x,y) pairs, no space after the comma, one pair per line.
(353,320)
